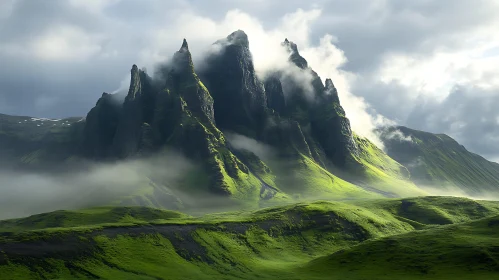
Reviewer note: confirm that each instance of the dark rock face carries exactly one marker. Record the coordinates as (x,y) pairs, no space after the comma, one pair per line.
(176,111)
(185,81)
(288,136)
(331,127)
(100,127)
(318,107)
(275,95)
(137,110)
(240,100)
(330,91)
(332,130)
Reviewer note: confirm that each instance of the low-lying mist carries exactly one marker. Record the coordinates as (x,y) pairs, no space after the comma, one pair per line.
(455,191)
(161,177)
(94,184)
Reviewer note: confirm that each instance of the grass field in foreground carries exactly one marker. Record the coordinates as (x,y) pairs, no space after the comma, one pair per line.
(417,238)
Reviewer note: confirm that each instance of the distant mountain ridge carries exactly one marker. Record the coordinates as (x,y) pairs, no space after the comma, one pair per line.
(440,162)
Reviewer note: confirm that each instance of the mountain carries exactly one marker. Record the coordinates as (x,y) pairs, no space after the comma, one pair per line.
(438,162)
(310,148)
(416,238)
(314,151)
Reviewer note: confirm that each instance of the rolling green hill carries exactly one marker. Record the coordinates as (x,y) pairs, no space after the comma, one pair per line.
(439,162)
(464,251)
(417,237)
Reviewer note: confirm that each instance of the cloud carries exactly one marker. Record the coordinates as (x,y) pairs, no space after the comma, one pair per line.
(457,192)
(397,135)
(26,193)
(469,114)
(241,142)
(65,43)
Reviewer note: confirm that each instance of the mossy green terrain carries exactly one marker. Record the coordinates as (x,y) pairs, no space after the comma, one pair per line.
(414,238)
(28,141)
(438,162)
(89,217)
(382,174)
(463,251)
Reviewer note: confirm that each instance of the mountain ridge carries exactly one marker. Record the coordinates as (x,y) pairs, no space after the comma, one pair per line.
(439,161)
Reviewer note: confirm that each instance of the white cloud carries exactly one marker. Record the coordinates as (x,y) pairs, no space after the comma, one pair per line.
(398,135)
(95,6)
(66,43)
(241,142)
(436,74)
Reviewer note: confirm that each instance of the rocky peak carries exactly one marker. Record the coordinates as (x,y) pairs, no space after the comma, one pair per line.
(275,94)
(182,60)
(238,37)
(135,84)
(184,47)
(240,100)
(329,84)
(294,55)
(331,91)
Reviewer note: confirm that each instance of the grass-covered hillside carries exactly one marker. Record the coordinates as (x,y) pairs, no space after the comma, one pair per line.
(415,238)
(439,162)
(37,141)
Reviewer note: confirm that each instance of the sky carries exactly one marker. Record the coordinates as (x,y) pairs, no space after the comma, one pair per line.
(427,64)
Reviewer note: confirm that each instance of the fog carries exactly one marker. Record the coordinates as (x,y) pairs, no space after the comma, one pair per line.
(442,190)
(93,184)
(241,142)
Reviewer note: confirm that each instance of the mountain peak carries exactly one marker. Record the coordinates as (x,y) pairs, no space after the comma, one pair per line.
(184,47)
(331,90)
(135,69)
(329,84)
(295,56)
(135,85)
(183,60)
(239,37)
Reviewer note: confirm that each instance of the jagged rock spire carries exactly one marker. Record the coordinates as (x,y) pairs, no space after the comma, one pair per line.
(135,85)
(184,47)
(294,55)
(329,84)
(331,90)
(182,60)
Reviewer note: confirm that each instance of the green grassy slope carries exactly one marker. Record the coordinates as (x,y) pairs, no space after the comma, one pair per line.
(464,251)
(89,217)
(302,177)
(272,243)
(26,140)
(382,174)
(438,161)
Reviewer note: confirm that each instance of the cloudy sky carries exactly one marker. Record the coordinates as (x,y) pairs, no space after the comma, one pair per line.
(428,64)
